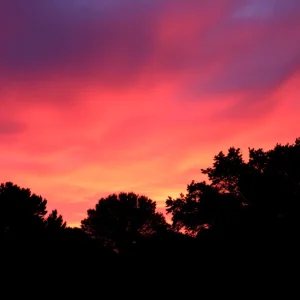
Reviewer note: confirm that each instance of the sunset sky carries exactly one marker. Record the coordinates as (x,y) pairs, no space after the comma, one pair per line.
(103,96)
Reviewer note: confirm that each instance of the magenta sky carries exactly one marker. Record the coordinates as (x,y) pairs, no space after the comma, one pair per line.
(104,96)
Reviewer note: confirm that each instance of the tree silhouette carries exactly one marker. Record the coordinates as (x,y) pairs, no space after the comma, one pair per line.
(122,220)
(257,199)
(226,171)
(22,213)
(55,225)
(272,187)
(202,208)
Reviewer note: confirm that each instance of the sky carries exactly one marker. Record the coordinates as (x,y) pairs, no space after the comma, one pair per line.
(103,96)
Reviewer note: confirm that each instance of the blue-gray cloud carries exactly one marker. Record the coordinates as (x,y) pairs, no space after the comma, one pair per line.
(255,43)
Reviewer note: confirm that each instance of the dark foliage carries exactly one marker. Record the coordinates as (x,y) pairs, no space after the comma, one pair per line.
(122,221)
(243,201)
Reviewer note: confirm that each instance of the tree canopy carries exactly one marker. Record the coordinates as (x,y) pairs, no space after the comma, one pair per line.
(22,213)
(261,195)
(121,220)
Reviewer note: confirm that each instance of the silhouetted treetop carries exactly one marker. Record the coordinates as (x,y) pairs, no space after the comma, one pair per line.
(22,212)
(121,220)
(226,171)
(21,200)
(23,215)
(200,208)
(265,191)
(55,221)
(55,225)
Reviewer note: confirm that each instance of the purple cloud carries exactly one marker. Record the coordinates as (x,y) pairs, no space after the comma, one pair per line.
(251,45)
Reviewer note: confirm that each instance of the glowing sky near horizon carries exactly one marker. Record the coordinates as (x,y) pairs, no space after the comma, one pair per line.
(102,96)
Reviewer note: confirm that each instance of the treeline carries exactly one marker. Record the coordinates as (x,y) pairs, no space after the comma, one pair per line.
(251,201)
